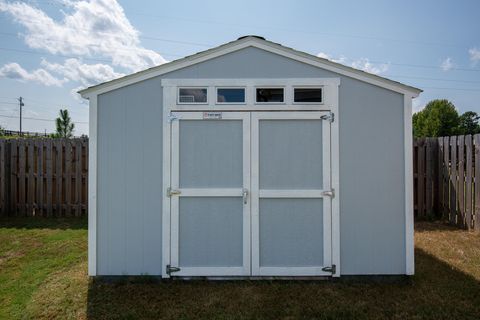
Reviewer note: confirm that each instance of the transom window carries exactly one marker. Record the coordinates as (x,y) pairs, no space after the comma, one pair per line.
(270,95)
(249,94)
(307,95)
(230,95)
(192,95)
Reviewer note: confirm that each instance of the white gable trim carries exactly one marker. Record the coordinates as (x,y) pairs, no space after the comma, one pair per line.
(256,43)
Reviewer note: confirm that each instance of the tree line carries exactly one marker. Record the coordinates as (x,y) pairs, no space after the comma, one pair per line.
(440,118)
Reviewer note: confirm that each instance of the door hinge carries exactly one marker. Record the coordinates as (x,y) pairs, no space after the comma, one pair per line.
(331,269)
(329,193)
(330,117)
(171,192)
(170,269)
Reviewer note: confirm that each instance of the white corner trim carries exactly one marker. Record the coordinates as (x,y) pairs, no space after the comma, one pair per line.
(409,223)
(335,177)
(92,187)
(257,43)
(169,94)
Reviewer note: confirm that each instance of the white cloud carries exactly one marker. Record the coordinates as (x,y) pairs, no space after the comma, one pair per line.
(323,55)
(474,55)
(446,64)
(88,28)
(361,64)
(86,74)
(417,105)
(15,71)
(365,65)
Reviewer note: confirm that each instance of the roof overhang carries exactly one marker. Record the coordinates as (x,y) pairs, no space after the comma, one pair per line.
(257,42)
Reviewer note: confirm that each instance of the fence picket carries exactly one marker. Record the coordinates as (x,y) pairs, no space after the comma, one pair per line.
(468,182)
(421,177)
(58,177)
(78,177)
(476,187)
(440,175)
(453,180)
(429,177)
(49,172)
(3,211)
(68,178)
(31,178)
(461,181)
(21,176)
(40,176)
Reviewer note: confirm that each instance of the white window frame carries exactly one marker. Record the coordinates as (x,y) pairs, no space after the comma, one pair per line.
(272,102)
(191,87)
(328,94)
(307,87)
(231,87)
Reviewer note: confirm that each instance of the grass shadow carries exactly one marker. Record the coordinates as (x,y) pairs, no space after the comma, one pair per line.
(74,223)
(437,291)
(436,225)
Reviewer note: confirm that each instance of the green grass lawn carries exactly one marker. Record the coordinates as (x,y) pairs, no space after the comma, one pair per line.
(43,265)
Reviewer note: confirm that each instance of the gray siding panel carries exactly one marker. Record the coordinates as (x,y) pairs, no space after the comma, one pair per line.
(372,197)
(129,180)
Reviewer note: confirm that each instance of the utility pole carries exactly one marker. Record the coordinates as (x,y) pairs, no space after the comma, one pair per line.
(20,100)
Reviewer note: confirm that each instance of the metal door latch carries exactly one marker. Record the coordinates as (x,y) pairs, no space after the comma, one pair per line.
(329,193)
(170,269)
(330,117)
(172,192)
(245,196)
(331,269)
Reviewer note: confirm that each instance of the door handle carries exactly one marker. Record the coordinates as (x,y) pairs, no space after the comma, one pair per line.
(245,195)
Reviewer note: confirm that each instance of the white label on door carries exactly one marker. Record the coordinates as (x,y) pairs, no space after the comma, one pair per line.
(212,115)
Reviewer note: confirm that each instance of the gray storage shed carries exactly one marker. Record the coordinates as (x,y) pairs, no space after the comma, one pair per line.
(250,159)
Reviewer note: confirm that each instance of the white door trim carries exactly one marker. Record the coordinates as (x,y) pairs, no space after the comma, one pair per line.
(210,192)
(331,103)
(256,194)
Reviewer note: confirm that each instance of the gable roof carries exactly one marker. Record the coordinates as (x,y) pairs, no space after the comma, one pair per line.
(257,42)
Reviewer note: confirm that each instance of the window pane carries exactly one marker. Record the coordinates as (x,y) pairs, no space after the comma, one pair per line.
(308,95)
(270,95)
(193,95)
(231,95)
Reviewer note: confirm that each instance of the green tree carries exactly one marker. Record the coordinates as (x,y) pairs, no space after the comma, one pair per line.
(64,125)
(469,123)
(438,118)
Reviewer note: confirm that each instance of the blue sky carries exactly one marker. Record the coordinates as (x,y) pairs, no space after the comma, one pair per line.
(49,49)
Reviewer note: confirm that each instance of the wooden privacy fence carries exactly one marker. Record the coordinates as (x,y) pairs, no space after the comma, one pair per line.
(48,177)
(447,179)
(43,177)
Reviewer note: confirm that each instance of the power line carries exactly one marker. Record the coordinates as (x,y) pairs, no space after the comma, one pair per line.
(446,88)
(38,119)
(120,36)
(109,61)
(427,78)
(299,31)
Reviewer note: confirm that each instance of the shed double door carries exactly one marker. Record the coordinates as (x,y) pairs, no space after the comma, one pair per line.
(250,194)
